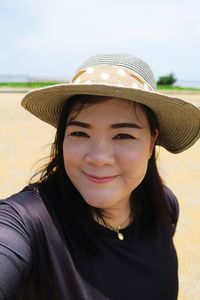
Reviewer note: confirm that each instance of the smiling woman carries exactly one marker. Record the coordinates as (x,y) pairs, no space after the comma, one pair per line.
(99,223)
(108,144)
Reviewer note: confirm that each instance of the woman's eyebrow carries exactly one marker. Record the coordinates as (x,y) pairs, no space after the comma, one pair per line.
(126,125)
(117,125)
(80,124)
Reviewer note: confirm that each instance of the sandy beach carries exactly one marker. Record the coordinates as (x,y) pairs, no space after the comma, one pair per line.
(25,140)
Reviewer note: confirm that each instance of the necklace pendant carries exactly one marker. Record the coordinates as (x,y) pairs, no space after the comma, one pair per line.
(120,236)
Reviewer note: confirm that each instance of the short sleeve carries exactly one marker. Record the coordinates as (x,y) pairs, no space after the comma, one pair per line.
(15,252)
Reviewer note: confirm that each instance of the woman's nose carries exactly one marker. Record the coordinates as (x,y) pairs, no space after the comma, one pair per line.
(100,153)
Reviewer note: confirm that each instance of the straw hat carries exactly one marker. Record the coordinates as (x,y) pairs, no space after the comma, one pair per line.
(121,76)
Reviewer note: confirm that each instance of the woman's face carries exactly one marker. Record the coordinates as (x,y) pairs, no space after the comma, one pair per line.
(106,151)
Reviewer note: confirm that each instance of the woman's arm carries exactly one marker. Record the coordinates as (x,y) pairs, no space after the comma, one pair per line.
(15,252)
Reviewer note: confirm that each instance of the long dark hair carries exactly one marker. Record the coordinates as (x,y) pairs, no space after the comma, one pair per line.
(148,200)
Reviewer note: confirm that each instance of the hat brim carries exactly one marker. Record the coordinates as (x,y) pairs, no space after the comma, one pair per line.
(179,121)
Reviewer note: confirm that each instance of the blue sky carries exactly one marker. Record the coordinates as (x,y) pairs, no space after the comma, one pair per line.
(52,38)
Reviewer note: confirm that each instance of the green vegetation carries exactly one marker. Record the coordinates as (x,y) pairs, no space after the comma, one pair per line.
(166,83)
(167,79)
(36,84)
(175,88)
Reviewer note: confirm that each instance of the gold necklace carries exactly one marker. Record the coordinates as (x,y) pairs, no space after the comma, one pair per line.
(118,228)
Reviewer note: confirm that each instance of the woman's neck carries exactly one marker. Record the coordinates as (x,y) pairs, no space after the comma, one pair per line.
(116,216)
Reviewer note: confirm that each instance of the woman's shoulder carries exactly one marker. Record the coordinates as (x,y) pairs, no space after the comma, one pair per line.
(26,206)
(25,199)
(173,205)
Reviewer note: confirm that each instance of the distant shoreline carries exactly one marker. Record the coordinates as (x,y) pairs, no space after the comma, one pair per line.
(24,87)
(162,91)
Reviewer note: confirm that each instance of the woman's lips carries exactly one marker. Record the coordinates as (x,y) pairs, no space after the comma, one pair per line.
(99,179)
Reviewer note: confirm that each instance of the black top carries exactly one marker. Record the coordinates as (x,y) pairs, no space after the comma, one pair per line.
(36,263)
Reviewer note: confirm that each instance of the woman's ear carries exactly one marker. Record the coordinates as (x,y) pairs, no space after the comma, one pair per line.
(154,138)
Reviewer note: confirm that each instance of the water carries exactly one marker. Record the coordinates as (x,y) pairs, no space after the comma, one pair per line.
(187,83)
(25,78)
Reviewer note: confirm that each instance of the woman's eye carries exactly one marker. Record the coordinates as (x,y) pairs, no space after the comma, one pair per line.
(79,134)
(122,136)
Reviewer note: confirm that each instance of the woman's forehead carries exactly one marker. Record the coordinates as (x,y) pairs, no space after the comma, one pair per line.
(113,110)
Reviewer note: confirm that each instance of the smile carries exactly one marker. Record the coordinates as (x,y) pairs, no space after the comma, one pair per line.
(99,179)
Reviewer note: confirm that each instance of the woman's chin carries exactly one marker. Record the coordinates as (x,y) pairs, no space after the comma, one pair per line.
(99,202)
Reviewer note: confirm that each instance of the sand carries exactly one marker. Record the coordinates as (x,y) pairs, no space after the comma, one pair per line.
(25,140)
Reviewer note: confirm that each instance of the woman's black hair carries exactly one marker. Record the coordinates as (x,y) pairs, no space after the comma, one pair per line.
(76,216)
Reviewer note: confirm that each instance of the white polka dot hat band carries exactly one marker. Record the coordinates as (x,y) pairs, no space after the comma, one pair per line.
(126,77)
(111,75)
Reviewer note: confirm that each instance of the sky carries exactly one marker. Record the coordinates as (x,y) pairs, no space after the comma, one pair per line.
(53,37)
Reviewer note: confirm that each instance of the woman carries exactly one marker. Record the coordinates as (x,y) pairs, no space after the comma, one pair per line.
(99,223)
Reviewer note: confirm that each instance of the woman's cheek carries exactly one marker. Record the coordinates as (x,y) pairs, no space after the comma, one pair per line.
(135,161)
